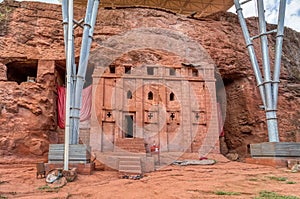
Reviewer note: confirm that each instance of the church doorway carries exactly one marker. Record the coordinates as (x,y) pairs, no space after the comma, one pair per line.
(128,126)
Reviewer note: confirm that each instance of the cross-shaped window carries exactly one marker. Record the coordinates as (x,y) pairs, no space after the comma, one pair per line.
(150,115)
(197,116)
(172,116)
(109,114)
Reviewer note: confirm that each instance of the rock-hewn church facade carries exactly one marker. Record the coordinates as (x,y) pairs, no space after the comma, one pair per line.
(163,98)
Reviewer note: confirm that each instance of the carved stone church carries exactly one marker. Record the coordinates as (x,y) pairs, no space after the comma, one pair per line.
(149,97)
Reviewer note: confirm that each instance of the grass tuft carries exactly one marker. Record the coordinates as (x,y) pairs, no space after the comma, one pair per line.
(273,195)
(227,193)
(278,178)
(48,189)
(291,182)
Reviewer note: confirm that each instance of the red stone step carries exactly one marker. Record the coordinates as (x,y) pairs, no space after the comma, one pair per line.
(136,145)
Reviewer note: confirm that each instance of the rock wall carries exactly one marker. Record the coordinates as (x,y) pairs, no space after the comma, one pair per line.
(28,116)
(33,31)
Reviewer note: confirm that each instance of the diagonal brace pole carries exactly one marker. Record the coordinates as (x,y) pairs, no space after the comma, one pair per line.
(269,87)
(251,51)
(270,112)
(278,51)
(89,24)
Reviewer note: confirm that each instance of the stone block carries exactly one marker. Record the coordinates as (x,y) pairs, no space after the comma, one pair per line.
(274,162)
(82,168)
(148,164)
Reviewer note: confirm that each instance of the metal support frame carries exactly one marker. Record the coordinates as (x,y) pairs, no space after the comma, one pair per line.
(74,87)
(268,87)
(75,81)
(89,24)
(67,8)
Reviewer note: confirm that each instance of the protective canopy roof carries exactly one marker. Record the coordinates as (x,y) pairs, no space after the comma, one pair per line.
(197,8)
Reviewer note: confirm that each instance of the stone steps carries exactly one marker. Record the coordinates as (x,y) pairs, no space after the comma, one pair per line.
(128,162)
(135,145)
(130,165)
(128,157)
(124,153)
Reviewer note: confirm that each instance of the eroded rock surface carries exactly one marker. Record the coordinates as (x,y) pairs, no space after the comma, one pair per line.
(33,31)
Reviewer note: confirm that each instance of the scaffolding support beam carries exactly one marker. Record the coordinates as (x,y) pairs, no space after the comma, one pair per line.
(270,112)
(251,51)
(268,87)
(278,51)
(75,79)
(89,23)
(87,38)
(68,4)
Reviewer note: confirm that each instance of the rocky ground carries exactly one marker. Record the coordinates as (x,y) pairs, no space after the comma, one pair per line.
(225,179)
(31,32)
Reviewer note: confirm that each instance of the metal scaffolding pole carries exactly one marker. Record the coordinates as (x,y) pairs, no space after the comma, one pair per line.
(278,50)
(270,112)
(251,51)
(268,88)
(69,66)
(87,38)
(74,87)
(73,70)
(80,78)
(89,24)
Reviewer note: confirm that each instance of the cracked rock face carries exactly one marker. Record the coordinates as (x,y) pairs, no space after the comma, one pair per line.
(3,70)
(33,31)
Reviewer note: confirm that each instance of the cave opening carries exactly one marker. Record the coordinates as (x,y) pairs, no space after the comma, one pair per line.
(22,71)
(60,74)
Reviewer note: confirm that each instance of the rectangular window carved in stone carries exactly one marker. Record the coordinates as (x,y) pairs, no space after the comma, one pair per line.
(112,69)
(194,72)
(172,71)
(128,69)
(150,70)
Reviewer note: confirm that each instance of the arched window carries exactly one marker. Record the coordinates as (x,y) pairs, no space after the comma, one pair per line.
(129,94)
(150,96)
(172,97)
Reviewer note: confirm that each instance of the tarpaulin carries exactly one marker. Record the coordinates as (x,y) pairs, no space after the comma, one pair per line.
(85,111)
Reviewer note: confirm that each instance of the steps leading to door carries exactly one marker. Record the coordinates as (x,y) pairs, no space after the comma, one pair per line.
(133,145)
(128,157)
(130,165)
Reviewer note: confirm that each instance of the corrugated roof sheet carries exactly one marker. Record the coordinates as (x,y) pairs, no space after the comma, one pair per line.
(198,8)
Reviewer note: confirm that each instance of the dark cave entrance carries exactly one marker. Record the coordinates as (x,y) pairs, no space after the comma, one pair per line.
(22,71)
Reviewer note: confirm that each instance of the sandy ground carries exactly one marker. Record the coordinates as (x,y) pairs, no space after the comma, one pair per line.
(244,180)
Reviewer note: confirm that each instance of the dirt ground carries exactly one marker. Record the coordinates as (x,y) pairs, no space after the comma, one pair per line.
(225,179)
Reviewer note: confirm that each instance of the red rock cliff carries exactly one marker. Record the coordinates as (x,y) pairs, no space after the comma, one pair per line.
(31,37)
